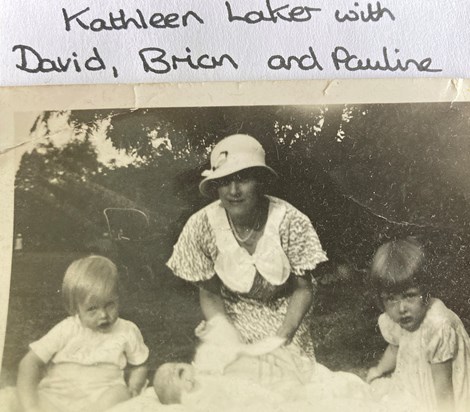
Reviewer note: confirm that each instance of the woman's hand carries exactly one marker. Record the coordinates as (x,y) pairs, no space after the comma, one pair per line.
(219,331)
(299,304)
(264,346)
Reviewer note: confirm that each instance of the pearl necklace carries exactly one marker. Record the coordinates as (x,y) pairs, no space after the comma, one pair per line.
(250,233)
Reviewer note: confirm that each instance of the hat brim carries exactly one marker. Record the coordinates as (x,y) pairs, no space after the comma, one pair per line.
(205,185)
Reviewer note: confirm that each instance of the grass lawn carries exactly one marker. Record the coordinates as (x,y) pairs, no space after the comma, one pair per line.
(167,312)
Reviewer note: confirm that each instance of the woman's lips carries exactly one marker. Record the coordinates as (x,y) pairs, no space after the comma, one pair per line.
(405,321)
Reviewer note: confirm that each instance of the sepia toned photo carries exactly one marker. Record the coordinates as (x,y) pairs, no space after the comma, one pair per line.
(224,247)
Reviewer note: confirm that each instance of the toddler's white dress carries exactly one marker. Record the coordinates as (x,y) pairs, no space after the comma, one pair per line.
(83,364)
(441,337)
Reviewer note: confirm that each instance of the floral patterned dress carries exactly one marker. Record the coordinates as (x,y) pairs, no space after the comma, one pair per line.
(255,288)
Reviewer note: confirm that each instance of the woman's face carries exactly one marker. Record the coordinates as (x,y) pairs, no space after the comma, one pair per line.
(239,194)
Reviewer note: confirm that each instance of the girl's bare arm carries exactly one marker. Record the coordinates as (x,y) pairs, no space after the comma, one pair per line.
(387,364)
(442,378)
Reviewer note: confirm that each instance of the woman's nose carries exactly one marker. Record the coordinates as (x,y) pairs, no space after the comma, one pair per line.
(402,306)
(234,188)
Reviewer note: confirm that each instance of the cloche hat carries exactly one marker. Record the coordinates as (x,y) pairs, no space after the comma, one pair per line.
(232,154)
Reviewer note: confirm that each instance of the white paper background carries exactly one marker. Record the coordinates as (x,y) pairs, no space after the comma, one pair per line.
(438,29)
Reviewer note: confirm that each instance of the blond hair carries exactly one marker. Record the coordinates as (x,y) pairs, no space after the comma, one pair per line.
(90,277)
(399,264)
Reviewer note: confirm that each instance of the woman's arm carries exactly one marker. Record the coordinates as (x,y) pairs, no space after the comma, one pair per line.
(210,300)
(442,378)
(387,364)
(211,304)
(29,375)
(137,379)
(299,304)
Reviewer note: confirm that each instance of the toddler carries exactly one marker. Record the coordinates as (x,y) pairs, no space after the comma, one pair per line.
(428,348)
(83,357)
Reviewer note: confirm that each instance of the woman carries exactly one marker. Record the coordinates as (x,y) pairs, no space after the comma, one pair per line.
(250,254)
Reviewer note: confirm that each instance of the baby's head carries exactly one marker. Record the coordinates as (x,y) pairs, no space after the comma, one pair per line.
(90,289)
(172,380)
(400,279)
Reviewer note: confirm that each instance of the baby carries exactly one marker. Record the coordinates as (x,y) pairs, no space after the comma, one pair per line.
(265,376)
(84,356)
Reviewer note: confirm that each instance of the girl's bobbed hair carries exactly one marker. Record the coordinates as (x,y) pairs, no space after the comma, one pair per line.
(92,277)
(398,265)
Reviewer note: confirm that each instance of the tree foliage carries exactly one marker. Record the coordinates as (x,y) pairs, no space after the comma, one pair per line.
(362,173)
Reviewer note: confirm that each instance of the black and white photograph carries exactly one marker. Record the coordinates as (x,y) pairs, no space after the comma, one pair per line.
(284,254)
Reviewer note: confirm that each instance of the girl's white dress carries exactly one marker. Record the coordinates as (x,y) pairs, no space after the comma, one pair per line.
(83,364)
(441,337)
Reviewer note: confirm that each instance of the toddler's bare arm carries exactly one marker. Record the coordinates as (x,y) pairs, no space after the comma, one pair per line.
(137,379)
(29,375)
